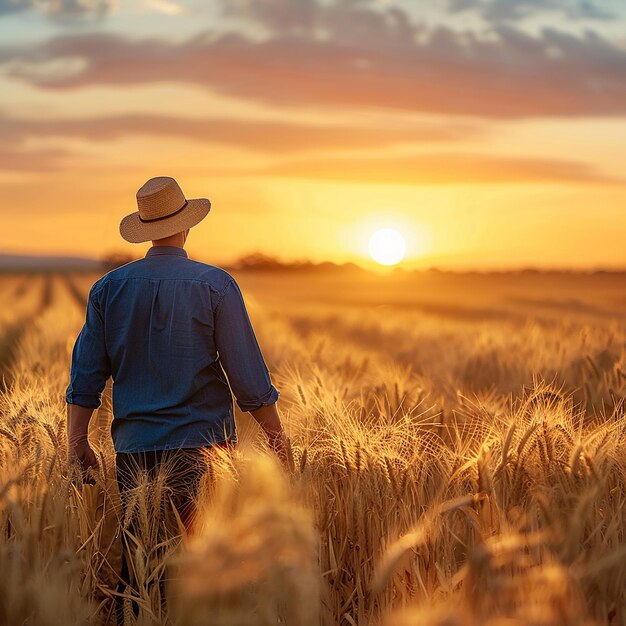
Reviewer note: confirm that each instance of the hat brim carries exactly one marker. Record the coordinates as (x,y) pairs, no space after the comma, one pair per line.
(135,231)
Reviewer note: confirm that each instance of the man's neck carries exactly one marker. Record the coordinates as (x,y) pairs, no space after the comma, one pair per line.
(176,241)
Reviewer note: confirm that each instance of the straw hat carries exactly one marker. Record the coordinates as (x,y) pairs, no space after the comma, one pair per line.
(163,211)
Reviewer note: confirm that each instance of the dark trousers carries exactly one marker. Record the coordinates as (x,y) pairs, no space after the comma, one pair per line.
(183,469)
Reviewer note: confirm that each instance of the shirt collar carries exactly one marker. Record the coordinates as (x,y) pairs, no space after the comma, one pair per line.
(156,250)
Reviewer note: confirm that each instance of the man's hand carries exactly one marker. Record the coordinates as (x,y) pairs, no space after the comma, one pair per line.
(83,454)
(268,419)
(78,445)
(281,445)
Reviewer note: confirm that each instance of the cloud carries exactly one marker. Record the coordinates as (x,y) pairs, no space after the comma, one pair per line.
(363,59)
(513,10)
(282,15)
(289,140)
(59,8)
(268,137)
(11,6)
(440,169)
(17,159)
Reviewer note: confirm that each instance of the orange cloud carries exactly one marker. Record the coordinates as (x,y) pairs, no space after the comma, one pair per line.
(15,158)
(440,169)
(269,137)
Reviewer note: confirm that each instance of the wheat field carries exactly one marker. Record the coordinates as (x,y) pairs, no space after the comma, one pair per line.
(459,448)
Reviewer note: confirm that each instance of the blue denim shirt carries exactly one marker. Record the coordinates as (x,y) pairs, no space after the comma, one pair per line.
(169,331)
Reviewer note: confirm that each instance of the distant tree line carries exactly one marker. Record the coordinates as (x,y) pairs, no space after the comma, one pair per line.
(116,259)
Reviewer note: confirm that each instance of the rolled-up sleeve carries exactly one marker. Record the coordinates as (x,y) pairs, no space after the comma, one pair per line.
(240,354)
(90,368)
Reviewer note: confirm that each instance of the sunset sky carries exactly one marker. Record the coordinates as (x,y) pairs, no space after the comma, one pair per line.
(489,133)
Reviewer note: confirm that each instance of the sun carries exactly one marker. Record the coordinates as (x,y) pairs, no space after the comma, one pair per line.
(387,246)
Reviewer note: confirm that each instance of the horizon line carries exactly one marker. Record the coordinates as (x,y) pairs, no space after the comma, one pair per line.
(278,264)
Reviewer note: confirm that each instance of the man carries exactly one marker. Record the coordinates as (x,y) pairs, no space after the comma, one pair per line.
(168,329)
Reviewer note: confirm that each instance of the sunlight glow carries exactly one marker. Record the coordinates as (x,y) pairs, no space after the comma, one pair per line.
(387,246)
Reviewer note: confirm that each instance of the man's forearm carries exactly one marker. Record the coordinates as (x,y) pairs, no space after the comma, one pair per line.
(78,418)
(79,449)
(269,420)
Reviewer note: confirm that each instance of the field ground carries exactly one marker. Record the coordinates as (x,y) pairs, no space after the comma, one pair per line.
(459,442)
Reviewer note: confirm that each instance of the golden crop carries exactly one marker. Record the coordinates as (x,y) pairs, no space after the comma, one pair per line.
(460,458)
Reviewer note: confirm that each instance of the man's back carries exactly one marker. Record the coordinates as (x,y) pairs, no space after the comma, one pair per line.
(166,327)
